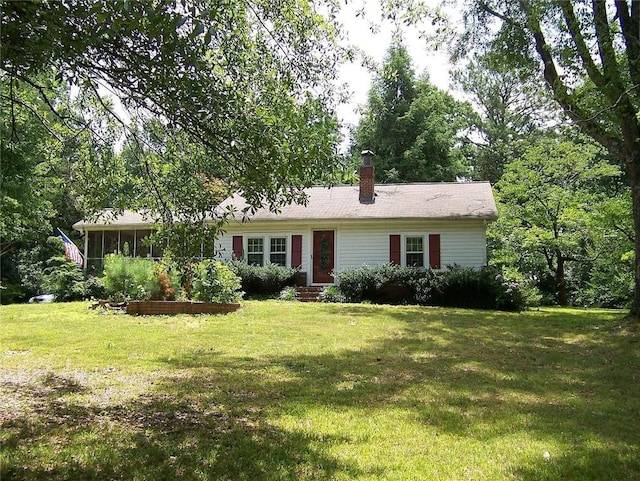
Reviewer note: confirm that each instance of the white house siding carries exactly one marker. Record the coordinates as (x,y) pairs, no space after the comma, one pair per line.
(359,245)
(224,244)
(462,242)
(465,246)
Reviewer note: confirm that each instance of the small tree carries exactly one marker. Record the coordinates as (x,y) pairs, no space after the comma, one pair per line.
(214,281)
(546,199)
(127,278)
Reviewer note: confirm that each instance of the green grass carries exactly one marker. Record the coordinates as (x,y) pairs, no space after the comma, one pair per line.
(290,391)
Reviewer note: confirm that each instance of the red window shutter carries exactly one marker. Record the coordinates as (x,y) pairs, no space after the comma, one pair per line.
(237,247)
(296,251)
(434,251)
(394,249)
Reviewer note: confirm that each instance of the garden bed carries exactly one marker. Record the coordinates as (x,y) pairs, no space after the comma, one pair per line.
(178,307)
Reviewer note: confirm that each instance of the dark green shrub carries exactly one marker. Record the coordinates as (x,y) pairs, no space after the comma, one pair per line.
(485,288)
(385,283)
(64,279)
(214,281)
(462,287)
(23,270)
(94,289)
(10,292)
(267,280)
(359,284)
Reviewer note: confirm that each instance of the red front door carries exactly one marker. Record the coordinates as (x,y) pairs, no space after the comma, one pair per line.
(323,256)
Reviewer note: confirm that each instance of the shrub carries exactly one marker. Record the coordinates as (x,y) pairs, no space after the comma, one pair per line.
(423,287)
(518,293)
(385,283)
(485,288)
(23,269)
(267,280)
(214,281)
(462,287)
(358,284)
(64,279)
(94,288)
(332,294)
(288,294)
(10,292)
(134,278)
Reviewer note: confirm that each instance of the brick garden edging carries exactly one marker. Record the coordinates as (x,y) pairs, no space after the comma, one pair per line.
(178,307)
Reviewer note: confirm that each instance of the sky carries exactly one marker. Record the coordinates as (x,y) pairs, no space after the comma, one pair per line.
(358,78)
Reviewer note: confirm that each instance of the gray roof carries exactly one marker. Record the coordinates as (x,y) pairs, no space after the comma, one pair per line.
(126,219)
(437,201)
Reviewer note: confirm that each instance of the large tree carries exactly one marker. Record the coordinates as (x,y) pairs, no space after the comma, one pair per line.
(36,189)
(247,81)
(410,124)
(510,106)
(589,55)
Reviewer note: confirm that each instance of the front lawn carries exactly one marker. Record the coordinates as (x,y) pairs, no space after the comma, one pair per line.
(291,391)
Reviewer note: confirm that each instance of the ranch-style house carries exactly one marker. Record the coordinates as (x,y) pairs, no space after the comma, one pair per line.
(419,224)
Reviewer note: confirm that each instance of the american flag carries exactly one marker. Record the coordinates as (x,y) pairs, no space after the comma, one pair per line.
(71,251)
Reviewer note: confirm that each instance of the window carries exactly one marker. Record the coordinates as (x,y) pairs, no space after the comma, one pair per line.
(127,242)
(278,251)
(156,251)
(143,246)
(415,251)
(255,250)
(111,241)
(95,245)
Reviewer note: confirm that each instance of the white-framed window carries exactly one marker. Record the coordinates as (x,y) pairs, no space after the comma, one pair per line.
(255,251)
(414,251)
(278,251)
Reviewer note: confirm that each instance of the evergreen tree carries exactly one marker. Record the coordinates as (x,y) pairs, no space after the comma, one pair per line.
(410,125)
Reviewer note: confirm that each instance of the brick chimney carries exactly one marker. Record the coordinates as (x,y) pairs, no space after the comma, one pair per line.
(367,178)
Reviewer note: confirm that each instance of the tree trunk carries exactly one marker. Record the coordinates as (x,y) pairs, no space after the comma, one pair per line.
(561,285)
(634,170)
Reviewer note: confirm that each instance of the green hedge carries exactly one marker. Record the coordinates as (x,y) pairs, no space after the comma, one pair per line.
(485,288)
(267,280)
(384,284)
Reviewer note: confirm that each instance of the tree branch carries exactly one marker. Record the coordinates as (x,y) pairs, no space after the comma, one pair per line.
(166,212)
(581,47)
(14,128)
(42,120)
(625,233)
(559,88)
(491,11)
(607,51)
(42,91)
(630,26)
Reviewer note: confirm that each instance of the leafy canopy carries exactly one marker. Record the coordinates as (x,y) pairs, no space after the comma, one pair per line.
(547,204)
(589,55)
(246,83)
